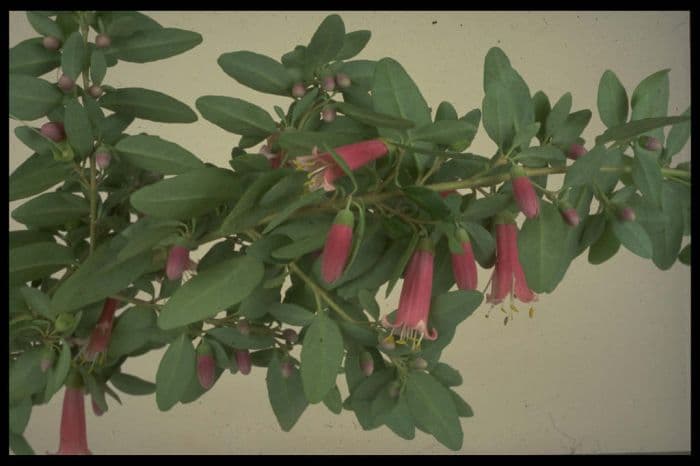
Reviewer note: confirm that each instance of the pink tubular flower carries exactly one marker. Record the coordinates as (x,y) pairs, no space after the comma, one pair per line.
(205,365)
(414,302)
(323,169)
(524,193)
(337,248)
(575,151)
(73,431)
(569,214)
(243,361)
(463,265)
(101,334)
(178,262)
(508,276)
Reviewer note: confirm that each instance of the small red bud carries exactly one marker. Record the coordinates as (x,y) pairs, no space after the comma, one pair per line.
(419,364)
(96,408)
(570,216)
(328,83)
(243,361)
(626,214)
(51,43)
(652,143)
(243,327)
(95,91)
(298,90)
(102,159)
(66,83)
(54,131)
(366,363)
(103,41)
(575,151)
(290,335)
(287,369)
(328,115)
(343,80)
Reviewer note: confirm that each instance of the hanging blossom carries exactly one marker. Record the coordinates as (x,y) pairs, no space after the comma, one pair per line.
(414,303)
(102,333)
(508,276)
(178,261)
(206,366)
(463,264)
(336,251)
(323,170)
(73,431)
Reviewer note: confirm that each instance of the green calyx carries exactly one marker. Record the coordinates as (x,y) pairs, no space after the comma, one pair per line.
(426,244)
(462,236)
(74,379)
(504,217)
(345,217)
(516,171)
(204,349)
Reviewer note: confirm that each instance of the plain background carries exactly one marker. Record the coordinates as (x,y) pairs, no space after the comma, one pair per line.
(604,366)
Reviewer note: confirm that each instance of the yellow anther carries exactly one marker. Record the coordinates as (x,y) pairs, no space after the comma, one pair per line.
(513,308)
(531,312)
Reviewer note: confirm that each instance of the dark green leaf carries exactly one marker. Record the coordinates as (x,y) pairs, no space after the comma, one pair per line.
(19,445)
(26,377)
(399,420)
(19,416)
(360,72)
(24,237)
(256,71)
(174,372)
(303,201)
(637,128)
(154,44)
(463,409)
(633,237)
(321,356)
(148,105)
(646,174)
(443,132)
(78,128)
(236,115)
(73,56)
(132,331)
(678,136)
(542,107)
(571,129)
(98,66)
(557,116)
(605,246)
(353,44)
(685,256)
(650,99)
(487,206)
(51,209)
(32,98)
(156,154)
(587,168)
(31,58)
(326,42)
(613,104)
(111,127)
(542,153)
(379,120)
(428,200)
(132,385)
(36,174)
(44,25)
(232,337)
(446,375)
(291,314)
(286,395)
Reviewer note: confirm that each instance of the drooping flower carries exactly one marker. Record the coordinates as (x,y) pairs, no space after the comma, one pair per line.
(73,431)
(53,130)
(178,262)
(463,264)
(575,151)
(508,276)
(101,334)
(324,170)
(569,214)
(337,247)
(524,193)
(243,361)
(414,301)
(205,365)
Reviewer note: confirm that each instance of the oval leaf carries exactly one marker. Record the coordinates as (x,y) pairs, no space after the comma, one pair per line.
(51,209)
(32,98)
(174,372)
(155,44)
(321,356)
(156,154)
(236,115)
(31,58)
(148,105)
(256,71)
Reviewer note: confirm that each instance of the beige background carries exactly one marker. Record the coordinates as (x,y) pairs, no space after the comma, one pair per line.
(603,366)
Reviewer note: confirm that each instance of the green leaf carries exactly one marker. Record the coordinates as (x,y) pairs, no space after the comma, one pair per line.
(35,175)
(632,236)
(678,137)
(132,331)
(223,285)
(395,93)
(300,247)
(487,206)
(286,395)
(291,314)
(240,216)
(376,119)
(542,107)
(156,154)
(51,209)
(187,195)
(646,174)
(587,168)
(132,385)
(154,44)
(605,246)
(637,128)
(333,401)
(26,377)
(443,132)
(542,153)
(58,372)
(557,116)
(650,99)
(482,241)
(236,115)
(321,356)
(32,98)
(613,104)
(148,105)
(432,408)
(428,200)
(446,375)
(288,187)
(360,72)
(73,56)
(31,58)
(144,235)
(100,276)
(399,420)
(24,237)
(401,264)
(684,256)
(19,445)
(326,42)
(525,135)
(78,128)
(448,310)
(111,128)
(174,372)
(463,409)
(256,71)
(233,338)
(44,25)
(19,416)
(540,244)
(98,66)
(368,303)
(353,44)
(572,128)
(366,390)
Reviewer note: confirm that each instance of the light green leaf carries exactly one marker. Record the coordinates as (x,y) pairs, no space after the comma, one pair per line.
(632,236)
(650,99)
(353,44)
(605,246)
(443,132)
(35,175)
(73,56)
(174,372)
(678,137)
(58,373)
(32,98)
(98,66)
(44,25)
(613,104)
(326,42)
(132,385)
(78,128)
(646,174)
(637,128)
(236,115)
(321,356)
(31,58)
(376,119)
(148,105)
(542,153)
(51,209)
(291,314)
(156,154)
(256,71)
(286,395)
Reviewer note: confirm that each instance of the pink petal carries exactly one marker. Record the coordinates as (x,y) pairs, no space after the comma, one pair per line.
(336,252)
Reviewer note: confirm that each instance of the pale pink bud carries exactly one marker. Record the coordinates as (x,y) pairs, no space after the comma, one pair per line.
(243,327)
(290,335)
(51,43)
(328,83)
(337,248)
(95,91)
(366,363)
(524,193)
(103,41)
(298,90)
(570,216)
(287,369)
(328,115)
(178,258)
(54,131)
(626,214)
(652,143)
(66,83)
(102,159)
(243,361)
(575,151)
(343,80)
(419,364)
(205,370)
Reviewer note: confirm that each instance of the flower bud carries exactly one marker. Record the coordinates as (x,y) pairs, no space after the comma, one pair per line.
(298,90)
(653,144)
(626,214)
(419,364)
(575,151)
(95,91)
(51,43)
(54,131)
(336,251)
(205,365)
(287,369)
(524,193)
(328,115)
(96,409)
(102,159)
(290,335)
(47,358)
(366,363)
(388,343)
(103,41)
(328,83)
(66,83)
(243,361)
(243,327)
(569,214)
(178,258)
(343,80)
(394,389)
(64,322)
